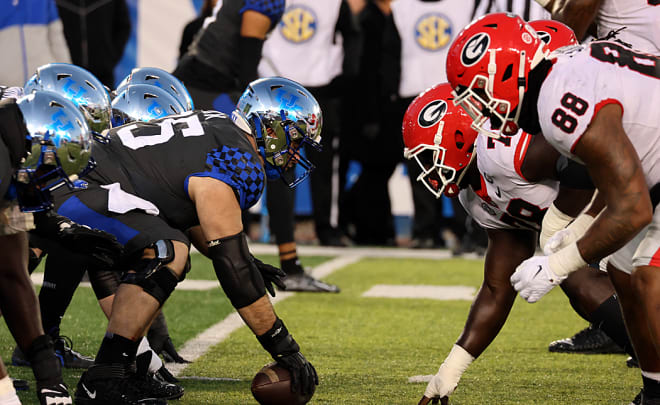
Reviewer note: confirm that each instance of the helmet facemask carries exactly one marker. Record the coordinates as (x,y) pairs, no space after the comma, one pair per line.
(437,177)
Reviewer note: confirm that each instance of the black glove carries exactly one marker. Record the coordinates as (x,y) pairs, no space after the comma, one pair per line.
(303,374)
(286,352)
(101,247)
(271,275)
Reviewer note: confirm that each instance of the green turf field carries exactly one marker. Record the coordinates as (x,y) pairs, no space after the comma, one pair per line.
(365,349)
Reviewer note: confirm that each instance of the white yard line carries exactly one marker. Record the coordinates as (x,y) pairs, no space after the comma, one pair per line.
(433,292)
(198,346)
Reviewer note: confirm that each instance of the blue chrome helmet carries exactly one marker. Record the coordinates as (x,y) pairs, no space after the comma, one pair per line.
(60,145)
(284,116)
(159,78)
(79,86)
(143,102)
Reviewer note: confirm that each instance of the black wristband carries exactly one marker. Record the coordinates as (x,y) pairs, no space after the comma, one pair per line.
(277,341)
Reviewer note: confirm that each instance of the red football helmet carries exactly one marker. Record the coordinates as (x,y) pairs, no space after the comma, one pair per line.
(437,134)
(554,33)
(488,66)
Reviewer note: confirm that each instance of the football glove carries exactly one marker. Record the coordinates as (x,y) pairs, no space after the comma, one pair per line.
(534,278)
(102,248)
(271,275)
(303,374)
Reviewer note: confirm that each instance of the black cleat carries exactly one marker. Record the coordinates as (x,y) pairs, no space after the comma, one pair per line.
(20,385)
(57,394)
(109,384)
(638,398)
(590,340)
(632,362)
(154,387)
(306,283)
(69,357)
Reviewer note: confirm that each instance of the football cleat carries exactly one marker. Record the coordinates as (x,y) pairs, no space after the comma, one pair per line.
(306,283)
(590,340)
(153,387)
(109,384)
(638,398)
(57,394)
(632,362)
(69,357)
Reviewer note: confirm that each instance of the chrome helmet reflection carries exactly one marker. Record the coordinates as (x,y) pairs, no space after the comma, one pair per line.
(143,102)
(159,78)
(285,117)
(60,145)
(79,86)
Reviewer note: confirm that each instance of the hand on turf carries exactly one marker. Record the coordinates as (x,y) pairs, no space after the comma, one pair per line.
(442,384)
(534,278)
(271,275)
(426,400)
(303,374)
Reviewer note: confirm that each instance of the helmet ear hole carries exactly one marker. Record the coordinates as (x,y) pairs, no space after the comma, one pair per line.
(460,139)
(508,73)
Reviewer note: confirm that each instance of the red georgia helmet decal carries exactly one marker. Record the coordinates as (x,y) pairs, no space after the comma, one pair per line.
(432,113)
(474,49)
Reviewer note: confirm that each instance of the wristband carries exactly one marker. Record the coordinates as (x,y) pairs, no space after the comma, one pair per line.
(581,224)
(566,261)
(554,220)
(455,364)
(277,341)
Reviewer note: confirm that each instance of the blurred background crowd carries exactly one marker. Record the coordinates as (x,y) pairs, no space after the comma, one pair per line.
(364,60)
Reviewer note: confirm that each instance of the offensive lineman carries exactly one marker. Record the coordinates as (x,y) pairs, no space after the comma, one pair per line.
(507,191)
(154,181)
(595,104)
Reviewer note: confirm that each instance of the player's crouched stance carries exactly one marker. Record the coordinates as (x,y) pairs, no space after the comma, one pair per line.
(193,172)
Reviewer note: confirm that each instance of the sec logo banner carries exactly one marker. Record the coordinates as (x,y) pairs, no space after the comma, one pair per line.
(433,32)
(298,24)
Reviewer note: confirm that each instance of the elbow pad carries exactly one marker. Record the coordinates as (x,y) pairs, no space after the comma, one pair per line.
(236,270)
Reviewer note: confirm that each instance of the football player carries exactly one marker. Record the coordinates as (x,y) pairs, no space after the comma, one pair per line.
(595,104)
(44,140)
(508,188)
(137,194)
(635,22)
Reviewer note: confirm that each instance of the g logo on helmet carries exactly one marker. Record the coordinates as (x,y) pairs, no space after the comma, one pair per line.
(432,113)
(474,49)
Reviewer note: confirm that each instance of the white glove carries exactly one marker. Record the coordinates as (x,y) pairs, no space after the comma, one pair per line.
(568,235)
(444,382)
(533,278)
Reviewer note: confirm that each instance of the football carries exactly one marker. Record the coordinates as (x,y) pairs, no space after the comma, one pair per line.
(272,386)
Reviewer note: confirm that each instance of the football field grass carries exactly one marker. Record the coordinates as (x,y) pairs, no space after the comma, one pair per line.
(366,348)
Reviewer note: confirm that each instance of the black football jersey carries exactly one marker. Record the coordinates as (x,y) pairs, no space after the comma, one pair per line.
(154,161)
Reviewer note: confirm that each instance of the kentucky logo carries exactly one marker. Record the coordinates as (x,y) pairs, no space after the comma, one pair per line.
(432,113)
(433,32)
(75,94)
(288,101)
(298,24)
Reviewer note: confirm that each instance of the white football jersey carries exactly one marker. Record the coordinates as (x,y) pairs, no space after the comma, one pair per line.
(584,79)
(641,19)
(506,200)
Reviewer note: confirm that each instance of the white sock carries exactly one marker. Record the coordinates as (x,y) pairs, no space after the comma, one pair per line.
(8,393)
(156,363)
(652,375)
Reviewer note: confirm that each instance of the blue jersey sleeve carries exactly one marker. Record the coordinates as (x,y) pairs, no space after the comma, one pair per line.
(273,9)
(238,169)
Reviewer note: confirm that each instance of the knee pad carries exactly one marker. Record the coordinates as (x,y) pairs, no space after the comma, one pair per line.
(153,275)
(236,271)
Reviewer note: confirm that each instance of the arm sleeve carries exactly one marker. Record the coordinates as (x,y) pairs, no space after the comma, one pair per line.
(250,55)
(121,29)
(272,9)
